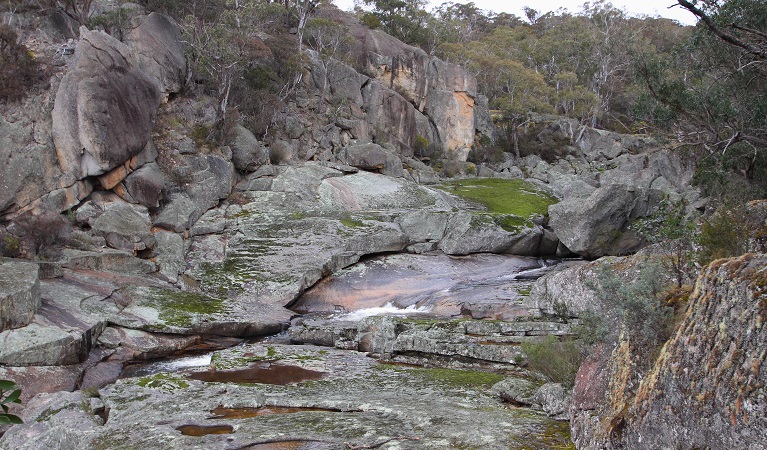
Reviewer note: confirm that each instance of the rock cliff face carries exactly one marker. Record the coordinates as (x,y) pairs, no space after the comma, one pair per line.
(707,387)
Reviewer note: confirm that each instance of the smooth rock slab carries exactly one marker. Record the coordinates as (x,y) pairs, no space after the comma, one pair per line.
(19,293)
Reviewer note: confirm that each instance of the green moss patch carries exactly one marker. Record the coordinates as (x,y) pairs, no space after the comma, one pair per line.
(165,382)
(513,198)
(179,308)
(450,378)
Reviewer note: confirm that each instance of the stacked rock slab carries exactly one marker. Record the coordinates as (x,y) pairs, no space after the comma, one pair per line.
(19,293)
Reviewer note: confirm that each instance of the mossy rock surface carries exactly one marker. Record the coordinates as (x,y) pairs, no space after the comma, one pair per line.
(515,198)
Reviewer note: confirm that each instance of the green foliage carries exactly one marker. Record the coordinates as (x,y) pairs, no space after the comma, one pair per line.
(637,305)
(731,230)
(44,234)
(9,393)
(677,235)
(18,67)
(421,146)
(558,360)
(710,93)
(404,19)
(10,245)
(112,22)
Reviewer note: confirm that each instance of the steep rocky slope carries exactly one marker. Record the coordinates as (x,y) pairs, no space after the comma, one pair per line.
(705,388)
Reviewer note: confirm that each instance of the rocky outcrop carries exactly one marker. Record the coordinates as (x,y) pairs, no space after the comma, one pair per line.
(705,389)
(351,401)
(373,157)
(248,154)
(104,109)
(156,47)
(606,181)
(19,293)
(707,386)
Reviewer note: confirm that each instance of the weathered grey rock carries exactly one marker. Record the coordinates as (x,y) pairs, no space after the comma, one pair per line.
(361,403)
(77,419)
(391,117)
(517,391)
(170,251)
(554,400)
(597,226)
(373,157)
(64,329)
(179,214)
(168,310)
(106,260)
(706,389)
(145,345)
(19,293)
(248,154)
(368,191)
(345,83)
(144,186)
(157,49)
(211,180)
(125,227)
(468,232)
(46,343)
(420,225)
(570,284)
(213,221)
(30,168)
(104,109)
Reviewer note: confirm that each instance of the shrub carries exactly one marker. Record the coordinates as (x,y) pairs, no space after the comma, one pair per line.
(638,305)
(9,393)
(10,245)
(42,235)
(558,360)
(18,68)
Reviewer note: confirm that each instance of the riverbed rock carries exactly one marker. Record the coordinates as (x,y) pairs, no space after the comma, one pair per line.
(19,293)
(355,401)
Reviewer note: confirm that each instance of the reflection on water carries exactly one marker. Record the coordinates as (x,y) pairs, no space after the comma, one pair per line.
(199,430)
(221,412)
(264,372)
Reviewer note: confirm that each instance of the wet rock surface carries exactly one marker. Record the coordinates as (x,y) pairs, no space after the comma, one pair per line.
(357,401)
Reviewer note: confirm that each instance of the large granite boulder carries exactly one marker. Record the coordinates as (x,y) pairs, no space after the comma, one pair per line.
(373,157)
(19,293)
(157,49)
(30,168)
(104,109)
(248,154)
(598,225)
